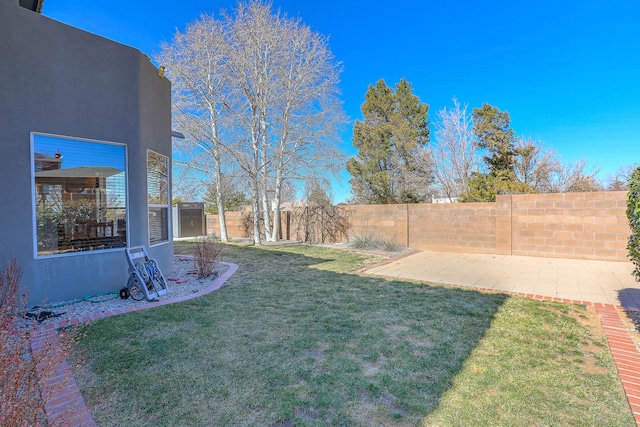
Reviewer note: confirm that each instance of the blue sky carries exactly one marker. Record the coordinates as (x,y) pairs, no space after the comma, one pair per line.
(567,71)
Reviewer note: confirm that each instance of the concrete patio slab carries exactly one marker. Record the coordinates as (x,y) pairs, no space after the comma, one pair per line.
(582,280)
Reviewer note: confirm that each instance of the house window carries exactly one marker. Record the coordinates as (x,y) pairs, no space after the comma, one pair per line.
(80,198)
(158,197)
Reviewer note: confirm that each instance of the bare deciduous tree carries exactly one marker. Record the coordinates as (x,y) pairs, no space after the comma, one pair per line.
(535,165)
(317,220)
(545,172)
(576,177)
(196,64)
(619,180)
(454,152)
(309,112)
(252,49)
(261,88)
(289,83)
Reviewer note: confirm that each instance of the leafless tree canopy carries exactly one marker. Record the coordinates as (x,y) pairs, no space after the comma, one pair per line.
(317,220)
(256,95)
(619,180)
(196,64)
(456,156)
(454,152)
(544,170)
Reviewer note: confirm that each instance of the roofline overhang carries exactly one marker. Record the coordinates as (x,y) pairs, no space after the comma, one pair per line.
(34,5)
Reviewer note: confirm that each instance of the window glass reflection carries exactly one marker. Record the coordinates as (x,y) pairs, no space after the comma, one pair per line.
(80,195)
(158,197)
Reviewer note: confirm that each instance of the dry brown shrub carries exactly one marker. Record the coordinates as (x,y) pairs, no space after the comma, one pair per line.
(25,374)
(321,224)
(247,225)
(207,253)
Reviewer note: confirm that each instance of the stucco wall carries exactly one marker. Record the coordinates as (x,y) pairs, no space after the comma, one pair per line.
(59,80)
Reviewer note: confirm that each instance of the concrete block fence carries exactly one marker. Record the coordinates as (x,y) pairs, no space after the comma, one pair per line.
(561,225)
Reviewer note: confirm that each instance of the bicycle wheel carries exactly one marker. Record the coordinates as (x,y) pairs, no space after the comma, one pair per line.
(135,289)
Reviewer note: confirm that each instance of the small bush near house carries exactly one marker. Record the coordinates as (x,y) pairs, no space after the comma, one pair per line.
(633,213)
(207,253)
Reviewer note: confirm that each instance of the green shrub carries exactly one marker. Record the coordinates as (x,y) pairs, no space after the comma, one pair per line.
(633,213)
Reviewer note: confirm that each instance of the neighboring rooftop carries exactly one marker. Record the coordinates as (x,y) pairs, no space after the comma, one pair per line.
(80,172)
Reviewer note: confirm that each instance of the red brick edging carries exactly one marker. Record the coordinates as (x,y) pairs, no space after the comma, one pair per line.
(625,354)
(64,397)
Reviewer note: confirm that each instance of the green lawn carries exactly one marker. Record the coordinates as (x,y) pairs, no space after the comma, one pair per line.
(297,338)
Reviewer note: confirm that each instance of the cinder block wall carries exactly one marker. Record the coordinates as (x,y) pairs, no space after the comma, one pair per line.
(234,224)
(235,228)
(387,222)
(568,225)
(463,227)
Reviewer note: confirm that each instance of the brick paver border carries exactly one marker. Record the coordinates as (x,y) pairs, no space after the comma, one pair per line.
(625,354)
(64,398)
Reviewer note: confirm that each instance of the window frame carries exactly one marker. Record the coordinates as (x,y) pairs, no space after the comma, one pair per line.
(159,205)
(34,221)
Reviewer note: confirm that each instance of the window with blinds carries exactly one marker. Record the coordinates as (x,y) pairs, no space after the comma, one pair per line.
(80,197)
(158,197)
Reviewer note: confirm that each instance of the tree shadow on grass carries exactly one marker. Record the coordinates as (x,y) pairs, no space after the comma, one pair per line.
(294,338)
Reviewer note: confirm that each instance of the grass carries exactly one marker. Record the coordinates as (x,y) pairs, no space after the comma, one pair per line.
(297,338)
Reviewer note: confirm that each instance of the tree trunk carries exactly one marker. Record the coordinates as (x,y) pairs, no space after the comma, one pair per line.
(276,203)
(266,209)
(256,222)
(224,237)
(256,186)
